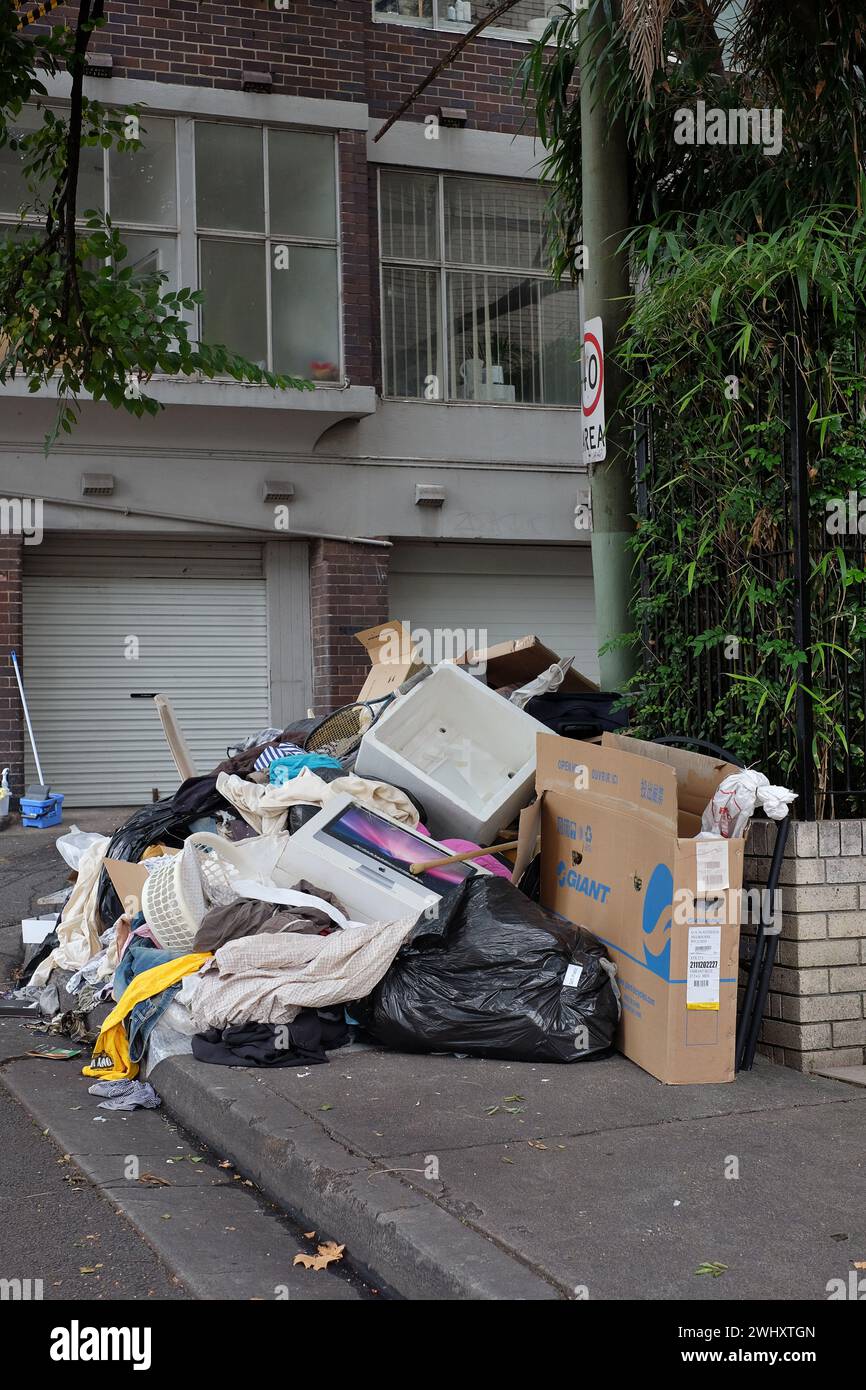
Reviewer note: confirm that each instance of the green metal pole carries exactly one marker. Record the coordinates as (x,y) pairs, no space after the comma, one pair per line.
(606,293)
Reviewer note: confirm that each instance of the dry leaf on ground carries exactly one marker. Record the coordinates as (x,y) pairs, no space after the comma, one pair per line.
(327,1254)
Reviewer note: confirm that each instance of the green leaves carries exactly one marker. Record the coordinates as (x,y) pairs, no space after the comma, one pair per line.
(714,611)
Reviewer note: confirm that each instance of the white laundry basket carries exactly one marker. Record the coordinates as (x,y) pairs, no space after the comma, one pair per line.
(177,895)
(173,900)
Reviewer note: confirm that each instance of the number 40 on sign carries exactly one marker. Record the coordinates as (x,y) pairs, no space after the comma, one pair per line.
(594,441)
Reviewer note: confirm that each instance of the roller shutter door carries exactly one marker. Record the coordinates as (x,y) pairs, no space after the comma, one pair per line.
(196,614)
(506,590)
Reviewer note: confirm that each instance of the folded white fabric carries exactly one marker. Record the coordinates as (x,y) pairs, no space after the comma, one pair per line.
(265,807)
(735,800)
(270,978)
(78,932)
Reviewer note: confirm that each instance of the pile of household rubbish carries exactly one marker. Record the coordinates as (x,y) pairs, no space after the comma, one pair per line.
(415,871)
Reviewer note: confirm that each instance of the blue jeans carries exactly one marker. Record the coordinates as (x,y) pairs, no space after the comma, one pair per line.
(138,957)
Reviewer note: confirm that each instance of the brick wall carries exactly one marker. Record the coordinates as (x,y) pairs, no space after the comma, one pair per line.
(816,1009)
(360,274)
(11,721)
(348,592)
(330,49)
(313,49)
(325,49)
(481,79)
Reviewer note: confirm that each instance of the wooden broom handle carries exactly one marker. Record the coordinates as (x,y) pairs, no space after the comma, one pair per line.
(460,858)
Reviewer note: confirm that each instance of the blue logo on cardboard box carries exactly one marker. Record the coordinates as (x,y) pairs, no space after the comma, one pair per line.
(581,883)
(657,907)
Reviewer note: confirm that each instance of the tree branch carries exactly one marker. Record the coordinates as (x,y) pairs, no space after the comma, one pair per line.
(445,62)
(90,12)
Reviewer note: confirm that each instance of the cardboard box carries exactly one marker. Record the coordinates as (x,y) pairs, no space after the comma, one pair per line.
(393,658)
(617,822)
(519,661)
(129,880)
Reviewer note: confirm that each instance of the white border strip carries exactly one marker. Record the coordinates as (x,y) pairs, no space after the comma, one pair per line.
(174,98)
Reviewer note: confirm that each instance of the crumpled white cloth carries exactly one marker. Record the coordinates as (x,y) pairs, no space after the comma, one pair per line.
(265,807)
(80,925)
(735,800)
(96,967)
(269,979)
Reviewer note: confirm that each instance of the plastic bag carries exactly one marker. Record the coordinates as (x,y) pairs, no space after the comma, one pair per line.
(73,844)
(496,975)
(171,1035)
(547,681)
(735,799)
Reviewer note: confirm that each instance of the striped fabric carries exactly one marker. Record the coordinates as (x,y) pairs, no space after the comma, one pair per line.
(34,13)
(274,751)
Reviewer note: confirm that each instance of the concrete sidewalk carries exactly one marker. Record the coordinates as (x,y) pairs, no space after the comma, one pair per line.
(475,1179)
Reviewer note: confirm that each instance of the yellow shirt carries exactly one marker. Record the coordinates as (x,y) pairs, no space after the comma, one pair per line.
(111,1060)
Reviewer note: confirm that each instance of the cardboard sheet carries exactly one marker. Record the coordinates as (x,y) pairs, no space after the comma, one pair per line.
(519,661)
(129,880)
(393,658)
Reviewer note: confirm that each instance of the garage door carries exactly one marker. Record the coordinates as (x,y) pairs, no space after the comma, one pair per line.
(107,620)
(507,591)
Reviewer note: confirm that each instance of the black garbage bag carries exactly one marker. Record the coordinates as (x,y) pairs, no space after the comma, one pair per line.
(495,975)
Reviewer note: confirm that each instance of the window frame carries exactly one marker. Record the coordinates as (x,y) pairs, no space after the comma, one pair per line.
(187,233)
(8,219)
(266,238)
(450,26)
(443,266)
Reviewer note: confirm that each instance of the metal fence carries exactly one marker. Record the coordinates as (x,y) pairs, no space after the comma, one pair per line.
(799,595)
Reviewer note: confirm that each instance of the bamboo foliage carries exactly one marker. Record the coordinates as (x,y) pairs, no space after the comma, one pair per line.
(644,22)
(743,264)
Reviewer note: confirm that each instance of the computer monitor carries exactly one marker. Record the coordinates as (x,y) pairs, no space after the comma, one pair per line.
(363,859)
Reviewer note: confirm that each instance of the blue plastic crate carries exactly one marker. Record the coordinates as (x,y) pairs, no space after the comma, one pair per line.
(39,815)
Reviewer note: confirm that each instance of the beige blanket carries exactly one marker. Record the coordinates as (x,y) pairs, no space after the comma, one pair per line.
(265,807)
(269,979)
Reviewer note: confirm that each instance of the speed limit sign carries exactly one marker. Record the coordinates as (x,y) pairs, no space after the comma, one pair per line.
(594,442)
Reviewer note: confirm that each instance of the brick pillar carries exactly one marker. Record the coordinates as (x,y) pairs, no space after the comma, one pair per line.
(11,714)
(348,593)
(359,270)
(816,1008)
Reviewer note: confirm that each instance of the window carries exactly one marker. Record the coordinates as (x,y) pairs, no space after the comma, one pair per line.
(469,309)
(266,214)
(259,237)
(138,190)
(528,19)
